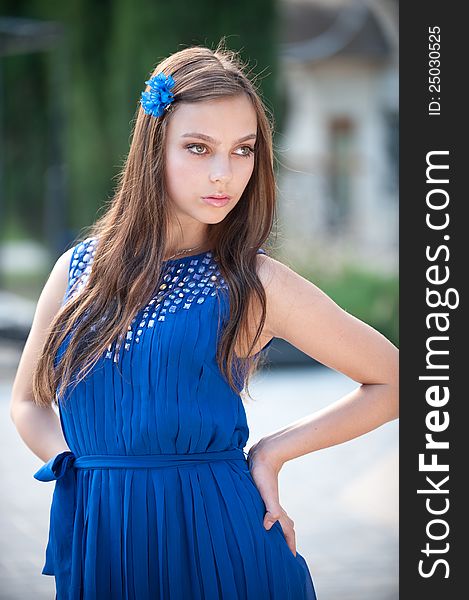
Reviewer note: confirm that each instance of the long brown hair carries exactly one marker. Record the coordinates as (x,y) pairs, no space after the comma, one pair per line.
(132,235)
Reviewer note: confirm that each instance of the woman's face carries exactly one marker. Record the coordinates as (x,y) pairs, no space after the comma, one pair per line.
(209,151)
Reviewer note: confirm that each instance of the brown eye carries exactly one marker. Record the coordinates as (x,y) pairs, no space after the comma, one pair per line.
(189,146)
(249,151)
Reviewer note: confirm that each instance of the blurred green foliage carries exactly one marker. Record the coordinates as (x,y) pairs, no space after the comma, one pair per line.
(89,87)
(25,285)
(371,297)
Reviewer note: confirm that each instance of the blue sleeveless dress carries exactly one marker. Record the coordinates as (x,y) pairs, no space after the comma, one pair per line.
(155,500)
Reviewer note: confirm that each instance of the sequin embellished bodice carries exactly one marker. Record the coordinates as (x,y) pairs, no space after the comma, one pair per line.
(162,375)
(185,282)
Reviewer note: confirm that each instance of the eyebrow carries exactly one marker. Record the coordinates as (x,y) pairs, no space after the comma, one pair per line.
(207,138)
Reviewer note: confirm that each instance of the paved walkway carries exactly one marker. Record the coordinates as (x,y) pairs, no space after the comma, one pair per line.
(344,500)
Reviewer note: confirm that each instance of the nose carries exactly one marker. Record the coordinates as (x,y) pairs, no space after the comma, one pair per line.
(221,170)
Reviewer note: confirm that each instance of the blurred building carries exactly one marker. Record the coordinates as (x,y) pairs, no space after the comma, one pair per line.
(338,181)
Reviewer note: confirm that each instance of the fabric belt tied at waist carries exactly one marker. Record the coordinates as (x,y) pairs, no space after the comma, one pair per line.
(62,469)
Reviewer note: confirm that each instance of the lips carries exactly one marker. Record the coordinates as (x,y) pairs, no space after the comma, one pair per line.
(216,200)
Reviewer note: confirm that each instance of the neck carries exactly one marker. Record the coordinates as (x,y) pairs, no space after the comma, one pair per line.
(195,241)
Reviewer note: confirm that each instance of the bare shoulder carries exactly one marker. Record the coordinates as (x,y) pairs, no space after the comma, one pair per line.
(283,287)
(48,305)
(55,287)
(299,312)
(277,276)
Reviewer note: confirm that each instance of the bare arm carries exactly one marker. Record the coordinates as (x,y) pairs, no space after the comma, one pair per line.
(299,312)
(40,427)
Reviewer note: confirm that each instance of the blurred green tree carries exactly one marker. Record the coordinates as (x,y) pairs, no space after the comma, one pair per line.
(107,52)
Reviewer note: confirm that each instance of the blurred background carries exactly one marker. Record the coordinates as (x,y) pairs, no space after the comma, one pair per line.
(71,74)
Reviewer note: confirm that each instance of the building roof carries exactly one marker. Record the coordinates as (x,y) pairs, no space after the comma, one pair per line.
(314,31)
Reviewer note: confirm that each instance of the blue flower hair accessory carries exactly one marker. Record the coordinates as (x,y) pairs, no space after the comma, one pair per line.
(158,99)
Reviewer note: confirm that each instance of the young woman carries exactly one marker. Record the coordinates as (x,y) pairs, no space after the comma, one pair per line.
(146,334)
